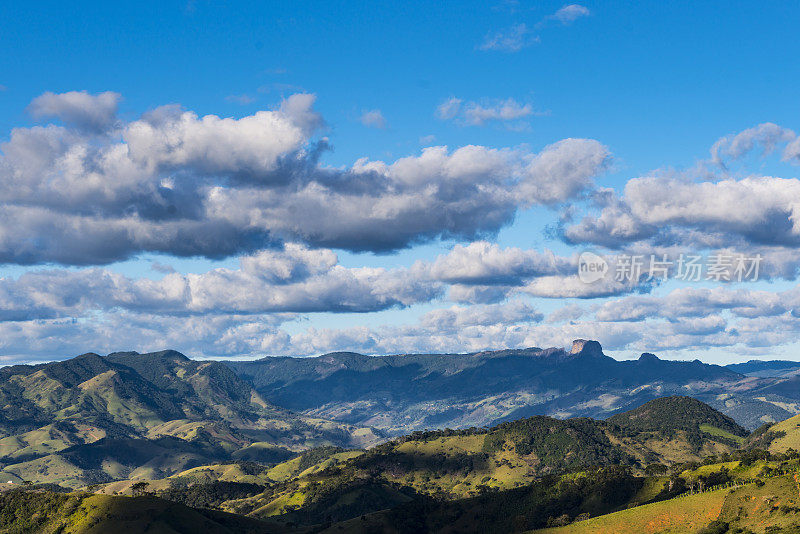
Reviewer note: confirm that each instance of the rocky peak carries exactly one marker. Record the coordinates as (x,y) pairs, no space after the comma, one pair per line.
(584,347)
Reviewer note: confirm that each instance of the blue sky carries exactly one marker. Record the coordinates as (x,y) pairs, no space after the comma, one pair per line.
(655,84)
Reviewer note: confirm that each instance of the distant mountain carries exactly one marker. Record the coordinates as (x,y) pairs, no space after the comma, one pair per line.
(403,393)
(761,368)
(94,419)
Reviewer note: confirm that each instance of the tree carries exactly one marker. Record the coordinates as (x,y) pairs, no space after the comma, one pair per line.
(139,488)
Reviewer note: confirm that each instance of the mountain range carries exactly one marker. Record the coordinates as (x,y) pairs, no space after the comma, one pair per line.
(497,441)
(403,393)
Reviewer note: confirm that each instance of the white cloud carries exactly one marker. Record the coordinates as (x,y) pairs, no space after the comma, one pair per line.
(484,263)
(449,108)
(290,281)
(508,112)
(756,210)
(519,36)
(505,110)
(767,136)
(80,109)
(570,13)
(792,152)
(181,184)
(697,303)
(373,119)
(427,139)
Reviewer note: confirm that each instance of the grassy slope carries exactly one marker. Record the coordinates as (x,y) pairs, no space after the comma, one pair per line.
(791,440)
(720,433)
(775,504)
(687,514)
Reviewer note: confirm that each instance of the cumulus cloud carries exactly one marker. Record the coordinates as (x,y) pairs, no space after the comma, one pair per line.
(508,112)
(373,119)
(756,211)
(441,331)
(197,336)
(451,320)
(686,319)
(697,303)
(294,280)
(94,113)
(178,183)
(718,211)
(570,286)
(484,263)
(247,304)
(483,272)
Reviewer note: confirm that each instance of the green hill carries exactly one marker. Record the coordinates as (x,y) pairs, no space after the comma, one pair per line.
(666,420)
(83,513)
(95,419)
(771,505)
(589,476)
(452,465)
(667,415)
(780,437)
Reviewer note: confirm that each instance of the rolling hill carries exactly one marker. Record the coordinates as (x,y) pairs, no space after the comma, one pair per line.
(85,513)
(533,473)
(96,419)
(451,466)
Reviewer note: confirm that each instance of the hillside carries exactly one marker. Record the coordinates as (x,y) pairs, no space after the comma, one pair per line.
(781,437)
(766,504)
(84,513)
(668,417)
(96,419)
(519,475)
(445,466)
(403,393)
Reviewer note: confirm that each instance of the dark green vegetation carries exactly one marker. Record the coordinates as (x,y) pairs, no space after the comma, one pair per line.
(666,418)
(97,419)
(400,394)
